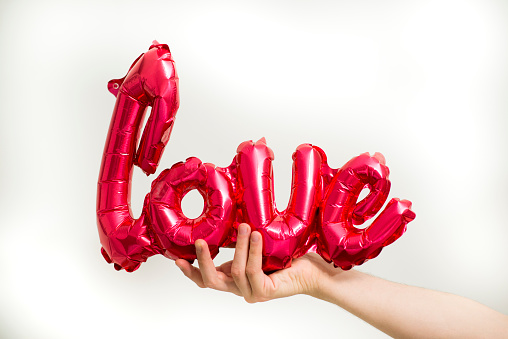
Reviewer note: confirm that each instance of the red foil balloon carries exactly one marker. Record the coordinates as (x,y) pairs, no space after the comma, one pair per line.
(338,239)
(177,233)
(320,215)
(284,233)
(151,81)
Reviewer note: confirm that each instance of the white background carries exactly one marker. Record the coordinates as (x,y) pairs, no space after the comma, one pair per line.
(423,82)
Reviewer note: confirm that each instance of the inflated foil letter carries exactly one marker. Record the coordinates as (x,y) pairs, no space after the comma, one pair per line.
(320,215)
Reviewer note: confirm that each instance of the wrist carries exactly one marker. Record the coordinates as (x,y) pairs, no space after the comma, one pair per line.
(334,284)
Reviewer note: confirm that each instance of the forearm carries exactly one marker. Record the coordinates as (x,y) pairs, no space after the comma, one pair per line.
(411,312)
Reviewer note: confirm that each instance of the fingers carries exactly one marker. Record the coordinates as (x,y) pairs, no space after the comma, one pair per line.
(209,275)
(240,260)
(206,265)
(190,272)
(247,269)
(253,269)
(243,276)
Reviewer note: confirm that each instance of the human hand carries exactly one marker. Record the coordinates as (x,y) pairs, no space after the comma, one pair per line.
(243,275)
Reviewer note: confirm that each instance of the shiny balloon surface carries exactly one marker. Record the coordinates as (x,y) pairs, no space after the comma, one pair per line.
(321,215)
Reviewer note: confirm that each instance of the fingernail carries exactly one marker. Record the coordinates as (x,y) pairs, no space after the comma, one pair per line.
(255,237)
(243,230)
(198,246)
(177,265)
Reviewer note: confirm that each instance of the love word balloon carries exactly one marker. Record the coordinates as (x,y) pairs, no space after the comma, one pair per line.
(321,215)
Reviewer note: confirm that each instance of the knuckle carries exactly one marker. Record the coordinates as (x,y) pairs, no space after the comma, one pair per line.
(251,271)
(260,295)
(236,271)
(210,283)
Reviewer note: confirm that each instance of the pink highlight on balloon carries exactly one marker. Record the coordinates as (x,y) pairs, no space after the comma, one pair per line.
(320,217)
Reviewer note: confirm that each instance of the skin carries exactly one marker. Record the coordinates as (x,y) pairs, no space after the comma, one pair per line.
(398,310)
